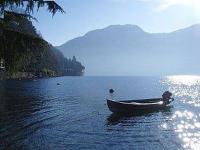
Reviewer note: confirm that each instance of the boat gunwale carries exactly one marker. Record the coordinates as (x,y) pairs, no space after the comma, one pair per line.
(138,103)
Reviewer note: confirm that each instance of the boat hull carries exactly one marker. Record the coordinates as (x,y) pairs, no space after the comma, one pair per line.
(135,106)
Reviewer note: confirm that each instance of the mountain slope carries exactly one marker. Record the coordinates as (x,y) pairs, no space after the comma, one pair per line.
(128,50)
(25,54)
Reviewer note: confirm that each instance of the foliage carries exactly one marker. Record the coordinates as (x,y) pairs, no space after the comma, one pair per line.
(19,22)
(24,50)
(18,38)
(73,67)
(29,5)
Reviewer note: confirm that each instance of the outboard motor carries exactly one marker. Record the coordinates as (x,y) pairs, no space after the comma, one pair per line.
(166,97)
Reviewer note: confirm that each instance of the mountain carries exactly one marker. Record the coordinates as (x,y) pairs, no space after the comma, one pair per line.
(128,50)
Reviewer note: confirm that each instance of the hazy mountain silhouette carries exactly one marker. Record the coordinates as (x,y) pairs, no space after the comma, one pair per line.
(128,50)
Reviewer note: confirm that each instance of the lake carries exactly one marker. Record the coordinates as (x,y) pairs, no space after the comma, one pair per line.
(41,114)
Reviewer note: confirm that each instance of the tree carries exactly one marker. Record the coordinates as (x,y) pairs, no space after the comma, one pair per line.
(12,35)
(29,5)
(19,40)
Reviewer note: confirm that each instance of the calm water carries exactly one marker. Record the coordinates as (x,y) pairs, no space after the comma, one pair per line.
(73,115)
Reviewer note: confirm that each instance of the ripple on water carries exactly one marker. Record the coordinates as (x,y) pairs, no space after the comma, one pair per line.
(41,115)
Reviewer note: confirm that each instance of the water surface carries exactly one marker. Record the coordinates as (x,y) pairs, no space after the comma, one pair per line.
(40,114)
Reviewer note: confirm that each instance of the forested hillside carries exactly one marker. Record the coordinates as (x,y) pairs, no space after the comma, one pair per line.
(31,58)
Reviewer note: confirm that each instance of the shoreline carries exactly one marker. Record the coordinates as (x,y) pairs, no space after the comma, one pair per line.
(31,76)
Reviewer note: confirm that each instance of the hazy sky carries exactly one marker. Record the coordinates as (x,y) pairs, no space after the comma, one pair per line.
(86,15)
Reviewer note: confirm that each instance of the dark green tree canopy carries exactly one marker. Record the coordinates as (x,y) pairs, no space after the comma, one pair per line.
(15,41)
(29,5)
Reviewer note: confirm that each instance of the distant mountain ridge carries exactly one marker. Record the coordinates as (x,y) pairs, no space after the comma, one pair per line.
(129,50)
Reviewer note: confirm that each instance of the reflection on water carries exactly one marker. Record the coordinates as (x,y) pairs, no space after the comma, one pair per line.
(186,88)
(184,80)
(74,115)
(187,127)
(186,120)
(114,119)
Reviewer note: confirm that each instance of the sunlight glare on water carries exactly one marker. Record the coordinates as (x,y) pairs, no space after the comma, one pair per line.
(184,80)
(185,124)
(185,87)
(74,115)
(186,120)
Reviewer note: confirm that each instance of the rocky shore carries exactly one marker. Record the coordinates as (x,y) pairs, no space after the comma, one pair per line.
(32,75)
(24,75)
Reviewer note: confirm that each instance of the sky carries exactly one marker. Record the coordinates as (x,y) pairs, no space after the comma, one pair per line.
(82,16)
